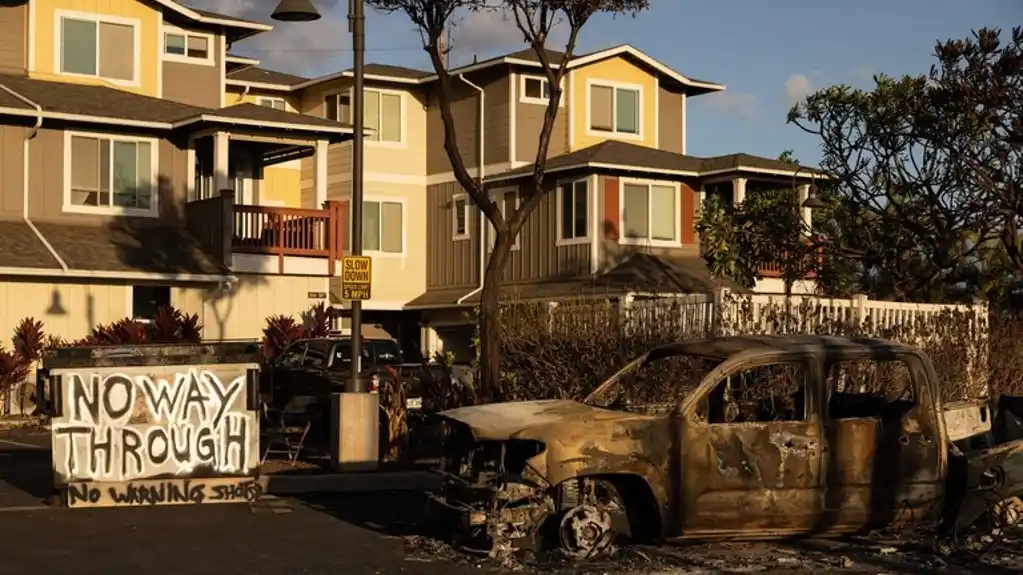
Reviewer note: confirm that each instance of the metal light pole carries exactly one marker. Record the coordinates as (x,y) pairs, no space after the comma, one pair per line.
(357,26)
(355,441)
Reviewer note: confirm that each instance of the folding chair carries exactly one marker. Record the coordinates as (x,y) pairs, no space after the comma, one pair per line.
(288,428)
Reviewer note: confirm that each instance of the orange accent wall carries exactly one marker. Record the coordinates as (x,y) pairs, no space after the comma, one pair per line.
(612,209)
(688,214)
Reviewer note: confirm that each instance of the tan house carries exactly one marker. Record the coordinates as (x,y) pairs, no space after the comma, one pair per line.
(127,181)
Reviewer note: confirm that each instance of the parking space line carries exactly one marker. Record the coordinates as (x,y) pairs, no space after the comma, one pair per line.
(20,444)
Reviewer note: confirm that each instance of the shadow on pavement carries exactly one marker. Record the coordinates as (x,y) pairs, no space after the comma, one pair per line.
(395,513)
(26,471)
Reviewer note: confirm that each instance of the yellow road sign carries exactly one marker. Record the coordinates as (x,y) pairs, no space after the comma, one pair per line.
(356,277)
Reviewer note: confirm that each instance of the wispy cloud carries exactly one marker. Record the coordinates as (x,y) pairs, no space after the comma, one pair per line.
(740,104)
(797,88)
(295,47)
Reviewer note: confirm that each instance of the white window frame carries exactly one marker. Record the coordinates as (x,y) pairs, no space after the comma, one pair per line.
(524,99)
(498,197)
(403,106)
(590,197)
(648,241)
(166,29)
(466,211)
(261,99)
(154,166)
(404,226)
(614,109)
(58,44)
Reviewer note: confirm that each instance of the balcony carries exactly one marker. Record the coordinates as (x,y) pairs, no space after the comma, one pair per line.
(268,231)
(774,269)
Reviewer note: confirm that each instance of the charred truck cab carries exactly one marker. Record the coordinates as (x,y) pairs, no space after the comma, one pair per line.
(752,436)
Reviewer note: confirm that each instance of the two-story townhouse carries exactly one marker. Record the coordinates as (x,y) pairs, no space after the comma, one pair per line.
(394,174)
(128,182)
(624,194)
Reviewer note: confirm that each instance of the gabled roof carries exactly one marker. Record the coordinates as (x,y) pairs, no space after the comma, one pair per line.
(207,17)
(110,106)
(625,156)
(262,77)
(528,58)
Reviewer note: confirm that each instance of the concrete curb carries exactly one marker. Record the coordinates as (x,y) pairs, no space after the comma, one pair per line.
(349,482)
(23,423)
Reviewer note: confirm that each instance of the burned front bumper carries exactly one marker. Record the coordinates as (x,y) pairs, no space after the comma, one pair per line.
(490,516)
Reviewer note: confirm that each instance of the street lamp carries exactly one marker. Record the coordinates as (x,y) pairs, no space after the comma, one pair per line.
(295,11)
(812,201)
(358,408)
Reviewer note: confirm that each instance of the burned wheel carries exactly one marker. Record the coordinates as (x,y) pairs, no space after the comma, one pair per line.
(585,531)
(987,532)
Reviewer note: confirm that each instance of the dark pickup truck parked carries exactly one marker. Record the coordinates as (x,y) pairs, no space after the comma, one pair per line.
(319,367)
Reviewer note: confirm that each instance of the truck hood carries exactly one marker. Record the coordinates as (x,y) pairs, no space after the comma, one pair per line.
(501,421)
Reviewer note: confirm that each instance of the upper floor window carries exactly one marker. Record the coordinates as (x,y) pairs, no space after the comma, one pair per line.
(383,227)
(535,90)
(99,47)
(383,113)
(615,109)
(460,217)
(111,174)
(573,207)
(338,107)
(275,103)
(650,212)
(187,46)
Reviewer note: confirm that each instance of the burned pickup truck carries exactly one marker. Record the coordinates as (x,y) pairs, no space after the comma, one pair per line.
(754,436)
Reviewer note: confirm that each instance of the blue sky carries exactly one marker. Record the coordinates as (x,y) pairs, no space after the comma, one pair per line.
(766,53)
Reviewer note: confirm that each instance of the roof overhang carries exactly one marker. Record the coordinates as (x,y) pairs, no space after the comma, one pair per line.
(116,275)
(259,85)
(516,175)
(372,77)
(250,27)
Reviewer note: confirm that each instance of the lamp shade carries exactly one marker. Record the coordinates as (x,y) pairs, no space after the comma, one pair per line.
(812,201)
(295,11)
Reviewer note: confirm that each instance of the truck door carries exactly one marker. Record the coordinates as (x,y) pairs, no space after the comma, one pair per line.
(884,462)
(751,450)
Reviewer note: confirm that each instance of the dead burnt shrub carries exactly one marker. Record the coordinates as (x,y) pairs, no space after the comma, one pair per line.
(565,351)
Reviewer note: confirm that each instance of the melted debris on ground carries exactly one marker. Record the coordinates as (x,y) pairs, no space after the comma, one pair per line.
(875,554)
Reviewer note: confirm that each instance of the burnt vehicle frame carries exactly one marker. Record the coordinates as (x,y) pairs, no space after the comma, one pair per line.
(577,475)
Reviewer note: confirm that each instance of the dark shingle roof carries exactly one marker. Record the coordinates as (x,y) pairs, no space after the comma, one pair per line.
(250,111)
(264,76)
(395,71)
(20,248)
(125,245)
(99,101)
(617,153)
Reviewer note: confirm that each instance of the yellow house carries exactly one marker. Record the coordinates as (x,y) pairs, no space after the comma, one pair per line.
(128,180)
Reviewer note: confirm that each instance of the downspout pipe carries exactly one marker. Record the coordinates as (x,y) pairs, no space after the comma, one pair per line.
(25,176)
(241,97)
(482,219)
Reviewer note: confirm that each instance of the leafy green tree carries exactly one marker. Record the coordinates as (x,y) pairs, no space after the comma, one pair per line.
(926,202)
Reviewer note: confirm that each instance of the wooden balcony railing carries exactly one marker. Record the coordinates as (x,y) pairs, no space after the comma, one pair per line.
(774,269)
(290,232)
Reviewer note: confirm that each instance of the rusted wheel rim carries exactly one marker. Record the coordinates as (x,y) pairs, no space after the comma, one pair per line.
(585,532)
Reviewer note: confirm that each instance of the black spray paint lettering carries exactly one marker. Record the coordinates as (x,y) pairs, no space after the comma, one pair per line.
(197,426)
(168,492)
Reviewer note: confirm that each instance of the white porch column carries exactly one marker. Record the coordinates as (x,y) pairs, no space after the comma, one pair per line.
(320,173)
(193,190)
(738,191)
(803,192)
(221,163)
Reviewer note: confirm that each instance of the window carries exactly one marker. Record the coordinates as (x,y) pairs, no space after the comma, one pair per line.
(383,227)
(869,389)
(182,45)
(338,107)
(650,212)
(535,90)
(383,115)
(615,109)
(573,207)
(109,173)
(275,103)
(762,394)
(97,48)
(147,299)
(460,217)
(507,202)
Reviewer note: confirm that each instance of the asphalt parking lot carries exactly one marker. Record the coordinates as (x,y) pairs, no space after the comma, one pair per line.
(378,533)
